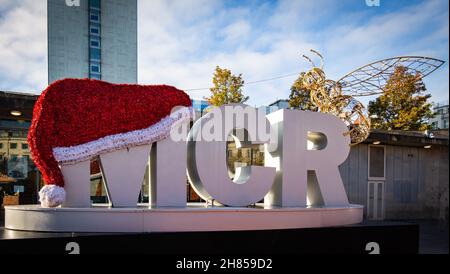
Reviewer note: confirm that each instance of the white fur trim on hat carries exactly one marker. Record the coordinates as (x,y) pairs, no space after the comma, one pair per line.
(52,196)
(154,133)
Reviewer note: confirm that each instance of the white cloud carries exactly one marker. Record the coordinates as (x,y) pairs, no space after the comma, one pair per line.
(192,51)
(186,55)
(236,32)
(23,45)
(404,32)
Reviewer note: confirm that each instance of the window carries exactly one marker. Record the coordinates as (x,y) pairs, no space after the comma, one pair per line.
(24,146)
(95,54)
(95,76)
(1,145)
(13,145)
(95,68)
(95,43)
(15,133)
(94,15)
(95,30)
(95,18)
(377,162)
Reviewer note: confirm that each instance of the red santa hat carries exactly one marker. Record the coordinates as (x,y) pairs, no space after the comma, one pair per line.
(77,119)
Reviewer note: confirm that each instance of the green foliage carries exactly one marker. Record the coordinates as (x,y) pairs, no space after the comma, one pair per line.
(227,88)
(403,104)
(300,96)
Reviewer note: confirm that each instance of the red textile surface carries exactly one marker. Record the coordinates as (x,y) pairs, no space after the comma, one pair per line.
(71,112)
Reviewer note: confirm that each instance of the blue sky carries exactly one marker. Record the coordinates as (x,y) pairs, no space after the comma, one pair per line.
(181,42)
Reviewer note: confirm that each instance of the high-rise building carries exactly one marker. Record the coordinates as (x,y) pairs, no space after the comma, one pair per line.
(92,39)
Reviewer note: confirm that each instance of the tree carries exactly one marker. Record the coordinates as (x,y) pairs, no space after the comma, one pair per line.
(403,104)
(300,96)
(227,88)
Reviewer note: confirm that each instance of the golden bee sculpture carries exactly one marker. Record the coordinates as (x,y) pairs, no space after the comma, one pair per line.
(338,97)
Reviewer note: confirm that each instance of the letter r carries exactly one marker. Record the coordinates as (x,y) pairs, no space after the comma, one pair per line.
(297,161)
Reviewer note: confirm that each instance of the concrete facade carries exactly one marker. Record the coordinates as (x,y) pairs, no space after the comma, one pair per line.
(68,42)
(119,41)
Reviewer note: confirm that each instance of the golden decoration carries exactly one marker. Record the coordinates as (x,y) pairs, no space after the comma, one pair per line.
(338,97)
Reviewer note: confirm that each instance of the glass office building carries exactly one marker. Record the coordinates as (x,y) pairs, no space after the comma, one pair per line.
(199,106)
(97,40)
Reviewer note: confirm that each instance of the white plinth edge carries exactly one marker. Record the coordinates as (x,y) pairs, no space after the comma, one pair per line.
(191,218)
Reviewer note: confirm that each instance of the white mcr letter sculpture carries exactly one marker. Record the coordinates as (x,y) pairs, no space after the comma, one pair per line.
(301,163)
(303,151)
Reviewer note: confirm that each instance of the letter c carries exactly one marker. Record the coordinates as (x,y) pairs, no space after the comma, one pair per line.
(207,164)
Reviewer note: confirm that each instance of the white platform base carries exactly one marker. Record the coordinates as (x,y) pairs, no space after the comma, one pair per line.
(195,217)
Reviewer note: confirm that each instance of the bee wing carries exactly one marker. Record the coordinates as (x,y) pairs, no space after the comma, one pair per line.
(370,79)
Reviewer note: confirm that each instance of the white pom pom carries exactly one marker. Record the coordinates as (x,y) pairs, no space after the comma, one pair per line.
(52,196)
